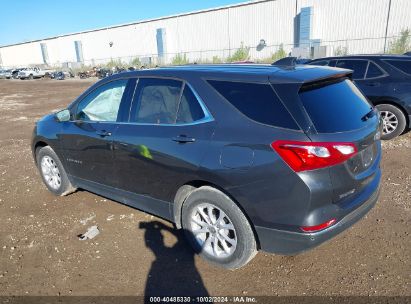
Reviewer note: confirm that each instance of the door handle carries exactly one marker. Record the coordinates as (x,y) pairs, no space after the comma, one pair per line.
(183,139)
(103,133)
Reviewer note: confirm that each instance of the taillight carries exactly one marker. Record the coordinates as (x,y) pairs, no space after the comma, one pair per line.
(303,156)
(319,227)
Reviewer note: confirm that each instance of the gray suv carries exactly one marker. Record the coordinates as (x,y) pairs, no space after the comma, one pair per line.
(242,157)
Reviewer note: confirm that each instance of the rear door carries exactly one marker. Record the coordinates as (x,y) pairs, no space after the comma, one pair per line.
(161,146)
(340,113)
(374,84)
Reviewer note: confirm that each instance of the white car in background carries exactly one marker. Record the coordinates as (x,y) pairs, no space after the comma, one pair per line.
(5,74)
(31,73)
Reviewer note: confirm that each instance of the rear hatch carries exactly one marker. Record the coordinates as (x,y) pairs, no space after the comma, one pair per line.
(339,113)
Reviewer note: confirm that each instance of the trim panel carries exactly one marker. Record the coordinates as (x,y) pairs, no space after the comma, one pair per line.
(142,202)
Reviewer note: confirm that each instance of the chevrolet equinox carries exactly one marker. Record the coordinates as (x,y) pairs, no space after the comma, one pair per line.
(242,157)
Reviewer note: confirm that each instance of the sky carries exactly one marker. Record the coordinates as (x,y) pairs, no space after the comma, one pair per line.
(25,20)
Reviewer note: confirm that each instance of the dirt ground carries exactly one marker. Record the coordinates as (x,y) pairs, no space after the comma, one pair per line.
(40,253)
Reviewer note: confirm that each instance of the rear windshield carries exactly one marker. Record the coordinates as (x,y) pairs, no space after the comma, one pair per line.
(336,107)
(256,101)
(402,65)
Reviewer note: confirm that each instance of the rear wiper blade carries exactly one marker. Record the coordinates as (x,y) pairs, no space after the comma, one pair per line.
(369,115)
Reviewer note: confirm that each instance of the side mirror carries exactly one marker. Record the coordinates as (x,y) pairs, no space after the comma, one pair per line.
(63,115)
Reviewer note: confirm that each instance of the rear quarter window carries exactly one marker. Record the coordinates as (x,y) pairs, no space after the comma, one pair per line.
(373,71)
(336,107)
(402,65)
(256,101)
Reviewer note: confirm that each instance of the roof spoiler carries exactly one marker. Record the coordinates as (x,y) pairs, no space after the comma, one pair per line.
(321,82)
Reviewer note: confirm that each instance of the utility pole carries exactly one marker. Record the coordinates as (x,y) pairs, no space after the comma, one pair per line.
(386,26)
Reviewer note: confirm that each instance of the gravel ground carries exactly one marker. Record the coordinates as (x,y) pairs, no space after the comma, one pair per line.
(40,253)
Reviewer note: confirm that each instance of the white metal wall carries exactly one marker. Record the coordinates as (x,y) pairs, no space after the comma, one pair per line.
(358,25)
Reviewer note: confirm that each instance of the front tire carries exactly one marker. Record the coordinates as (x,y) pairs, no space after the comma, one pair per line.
(52,172)
(217,229)
(394,121)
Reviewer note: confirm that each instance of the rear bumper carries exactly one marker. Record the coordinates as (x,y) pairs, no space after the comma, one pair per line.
(290,243)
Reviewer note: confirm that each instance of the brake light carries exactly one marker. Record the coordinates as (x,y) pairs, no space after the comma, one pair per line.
(303,156)
(319,227)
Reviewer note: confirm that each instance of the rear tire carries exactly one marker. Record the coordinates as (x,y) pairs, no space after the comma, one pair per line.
(217,229)
(30,77)
(52,172)
(394,121)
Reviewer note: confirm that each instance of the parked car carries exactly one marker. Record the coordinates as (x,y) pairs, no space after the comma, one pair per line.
(5,74)
(15,73)
(242,157)
(102,73)
(83,75)
(49,73)
(31,73)
(386,81)
(60,75)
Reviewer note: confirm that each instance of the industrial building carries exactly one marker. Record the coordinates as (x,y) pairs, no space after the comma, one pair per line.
(304,27)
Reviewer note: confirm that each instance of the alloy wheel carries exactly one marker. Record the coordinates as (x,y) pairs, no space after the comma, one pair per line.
(50,172)
(390,122)
(213,230)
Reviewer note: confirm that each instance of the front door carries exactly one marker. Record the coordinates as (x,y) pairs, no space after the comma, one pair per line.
(87,139)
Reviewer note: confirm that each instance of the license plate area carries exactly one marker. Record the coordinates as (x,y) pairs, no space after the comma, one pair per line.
(363,160)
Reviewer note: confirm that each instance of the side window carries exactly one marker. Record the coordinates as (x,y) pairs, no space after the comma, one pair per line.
(103,103)
(358,66)
(402,65)
(320,62)
(157,101)
(256,101)
(332,63)
(373,71)
(189,109)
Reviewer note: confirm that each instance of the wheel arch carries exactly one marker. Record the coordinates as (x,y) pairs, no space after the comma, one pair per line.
(185,190)
(36,146)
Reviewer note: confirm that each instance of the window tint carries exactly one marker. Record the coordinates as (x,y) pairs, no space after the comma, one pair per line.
(320,62)
(103,103)
(337,107)
(157,101)
(257,101)
(332,63)
(402,65)
(358,66)
(374,71)
(189,109)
